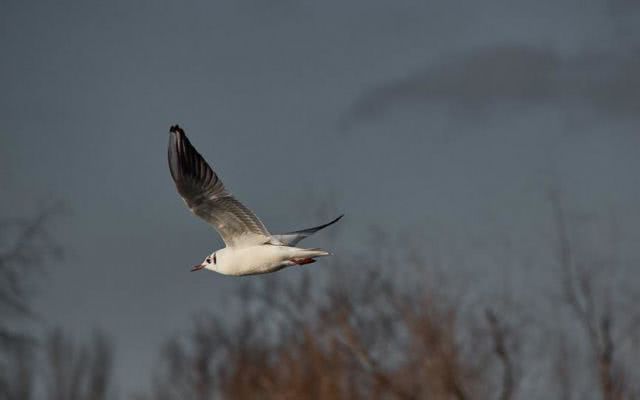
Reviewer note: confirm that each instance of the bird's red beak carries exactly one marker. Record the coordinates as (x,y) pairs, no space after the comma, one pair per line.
(197,267)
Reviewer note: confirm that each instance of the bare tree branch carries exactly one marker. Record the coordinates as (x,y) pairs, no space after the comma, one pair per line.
(498,334)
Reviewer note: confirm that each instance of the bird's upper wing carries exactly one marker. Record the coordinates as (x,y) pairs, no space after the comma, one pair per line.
(207,197)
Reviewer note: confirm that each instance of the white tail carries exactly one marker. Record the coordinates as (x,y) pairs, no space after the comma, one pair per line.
(311,253)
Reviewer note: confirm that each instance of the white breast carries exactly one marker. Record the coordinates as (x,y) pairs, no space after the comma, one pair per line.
(253,260)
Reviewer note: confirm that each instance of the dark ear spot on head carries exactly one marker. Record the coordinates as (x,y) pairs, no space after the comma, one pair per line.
(214,258)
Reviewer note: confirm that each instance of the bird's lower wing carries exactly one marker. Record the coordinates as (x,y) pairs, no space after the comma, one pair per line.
(292,238)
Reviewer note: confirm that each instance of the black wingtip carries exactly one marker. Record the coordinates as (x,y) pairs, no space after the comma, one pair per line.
(176,129)
(330,223)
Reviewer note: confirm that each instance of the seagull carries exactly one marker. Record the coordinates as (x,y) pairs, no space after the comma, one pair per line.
(249,248)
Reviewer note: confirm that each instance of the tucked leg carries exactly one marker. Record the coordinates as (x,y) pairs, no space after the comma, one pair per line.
(303,261)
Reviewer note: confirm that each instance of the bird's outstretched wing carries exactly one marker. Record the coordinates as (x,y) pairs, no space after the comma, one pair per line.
(206,196)
(292,238)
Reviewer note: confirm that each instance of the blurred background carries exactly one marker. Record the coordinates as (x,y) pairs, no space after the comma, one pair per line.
(485,155)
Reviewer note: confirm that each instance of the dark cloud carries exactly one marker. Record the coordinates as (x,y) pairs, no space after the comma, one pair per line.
(624,14)
(605,81)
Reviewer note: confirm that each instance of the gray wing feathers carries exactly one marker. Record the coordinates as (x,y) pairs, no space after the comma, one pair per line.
(206,196)
(231,218)
(292,238)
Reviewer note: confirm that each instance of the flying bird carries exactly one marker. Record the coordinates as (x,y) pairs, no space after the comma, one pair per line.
(249,248)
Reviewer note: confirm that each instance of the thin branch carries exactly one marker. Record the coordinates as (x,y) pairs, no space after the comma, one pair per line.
(498,334)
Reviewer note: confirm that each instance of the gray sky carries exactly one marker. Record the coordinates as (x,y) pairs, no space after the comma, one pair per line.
(408,114)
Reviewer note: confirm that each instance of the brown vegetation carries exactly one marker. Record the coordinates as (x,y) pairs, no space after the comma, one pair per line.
(364,334)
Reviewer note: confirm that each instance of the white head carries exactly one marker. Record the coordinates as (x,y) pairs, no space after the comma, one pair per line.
(210,263)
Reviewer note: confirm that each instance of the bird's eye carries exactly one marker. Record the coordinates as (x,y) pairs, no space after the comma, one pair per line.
(208,260)
(214,258)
